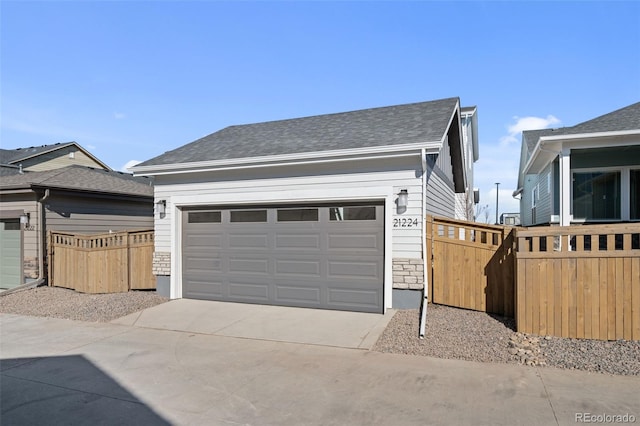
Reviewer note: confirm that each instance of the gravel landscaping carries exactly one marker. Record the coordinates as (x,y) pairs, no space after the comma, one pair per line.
(476,336)
(63,303)
(450,332)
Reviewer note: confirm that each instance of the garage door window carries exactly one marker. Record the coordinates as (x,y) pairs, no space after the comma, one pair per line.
(297,215)
(205,217)
(248,216)
(352,213)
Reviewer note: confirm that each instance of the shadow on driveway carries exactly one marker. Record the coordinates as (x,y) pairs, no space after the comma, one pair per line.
(67,390)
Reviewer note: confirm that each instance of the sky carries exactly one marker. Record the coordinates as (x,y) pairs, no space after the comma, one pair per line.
(130,80)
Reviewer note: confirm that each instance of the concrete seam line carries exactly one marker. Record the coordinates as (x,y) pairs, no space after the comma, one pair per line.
(544,386)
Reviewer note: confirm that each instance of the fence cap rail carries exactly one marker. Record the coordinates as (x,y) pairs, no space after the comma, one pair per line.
(467,224)
(618,228)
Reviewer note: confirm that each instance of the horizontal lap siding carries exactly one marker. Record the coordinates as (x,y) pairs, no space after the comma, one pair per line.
(399,174)
(89,216)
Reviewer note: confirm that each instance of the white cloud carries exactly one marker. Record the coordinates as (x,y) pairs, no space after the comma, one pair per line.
(129,164)
(118,115)
(527,123)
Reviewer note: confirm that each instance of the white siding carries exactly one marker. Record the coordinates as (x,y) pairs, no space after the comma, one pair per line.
(399,173)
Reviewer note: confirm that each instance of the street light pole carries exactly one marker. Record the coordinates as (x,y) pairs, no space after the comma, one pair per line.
(497,185)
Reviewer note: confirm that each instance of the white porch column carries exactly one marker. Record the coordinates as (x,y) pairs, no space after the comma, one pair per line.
(565,187)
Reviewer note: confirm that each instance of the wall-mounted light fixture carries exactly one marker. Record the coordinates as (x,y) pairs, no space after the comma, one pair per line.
(24,219)
(403,198)
(161,207)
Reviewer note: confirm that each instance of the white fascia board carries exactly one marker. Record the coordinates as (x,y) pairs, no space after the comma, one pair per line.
(579,140)
(388,151)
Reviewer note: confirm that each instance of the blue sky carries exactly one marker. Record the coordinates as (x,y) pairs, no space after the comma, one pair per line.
(131,80)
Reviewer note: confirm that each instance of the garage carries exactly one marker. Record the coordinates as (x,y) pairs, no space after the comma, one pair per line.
(11,249)
(316,256)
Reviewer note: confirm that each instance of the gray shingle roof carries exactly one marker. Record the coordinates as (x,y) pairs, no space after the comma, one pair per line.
(627,118)
(8,156)
(81,178)
(393,125)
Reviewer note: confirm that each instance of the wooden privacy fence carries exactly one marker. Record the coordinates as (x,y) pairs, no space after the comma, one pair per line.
(579,281)
(105,263)
(472,265)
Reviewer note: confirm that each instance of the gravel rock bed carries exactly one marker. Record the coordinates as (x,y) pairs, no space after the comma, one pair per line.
(476,336)
(63,303)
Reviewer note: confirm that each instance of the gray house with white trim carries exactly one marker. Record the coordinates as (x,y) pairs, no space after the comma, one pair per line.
(74,199)
(323,212)
(587,173)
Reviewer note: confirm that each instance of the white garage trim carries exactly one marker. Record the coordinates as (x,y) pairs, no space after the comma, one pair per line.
(385,194)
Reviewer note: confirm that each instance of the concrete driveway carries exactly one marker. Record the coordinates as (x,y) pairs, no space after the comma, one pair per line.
(277,323)
(67,372)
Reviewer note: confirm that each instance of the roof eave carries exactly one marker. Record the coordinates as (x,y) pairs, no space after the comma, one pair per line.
(64,145)
(286,159)
(541,156)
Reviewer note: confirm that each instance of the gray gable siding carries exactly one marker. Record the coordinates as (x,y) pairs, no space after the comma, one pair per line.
(394,125)
(544,207)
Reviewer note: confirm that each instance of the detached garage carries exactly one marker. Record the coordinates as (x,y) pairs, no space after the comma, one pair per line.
(320,212)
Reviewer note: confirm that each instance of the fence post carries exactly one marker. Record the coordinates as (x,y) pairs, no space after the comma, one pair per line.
(50,255)
(429,260)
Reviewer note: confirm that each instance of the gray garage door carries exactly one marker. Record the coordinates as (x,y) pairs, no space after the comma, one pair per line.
(329,257)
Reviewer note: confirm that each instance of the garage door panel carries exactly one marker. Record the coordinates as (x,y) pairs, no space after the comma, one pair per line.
(355,241)
(208,264)
(204,289)
(297,294)
(364,299)
(249,241)
(204,241)
(239,290)
(320,263)
(243,266)
(297,241)
(307,268)
(353,269)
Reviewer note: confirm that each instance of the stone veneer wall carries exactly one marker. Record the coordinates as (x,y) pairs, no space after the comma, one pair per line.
(161,263)
(30,267)
(408,274)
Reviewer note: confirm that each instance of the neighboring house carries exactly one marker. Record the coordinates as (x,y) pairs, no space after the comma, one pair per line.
(48,157)
(325,211)
(586,173)
(511,219)
(73,199)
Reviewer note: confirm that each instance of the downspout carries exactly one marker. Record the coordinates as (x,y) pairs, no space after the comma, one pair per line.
(425,286)
(41,244)
(43,238)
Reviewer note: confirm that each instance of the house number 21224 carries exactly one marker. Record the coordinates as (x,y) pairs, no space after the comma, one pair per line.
(405,222)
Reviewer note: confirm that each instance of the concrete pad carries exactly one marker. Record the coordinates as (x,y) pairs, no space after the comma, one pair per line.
(161,376)
(283,324)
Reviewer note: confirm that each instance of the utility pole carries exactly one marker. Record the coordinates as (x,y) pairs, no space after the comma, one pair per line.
(497,185)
